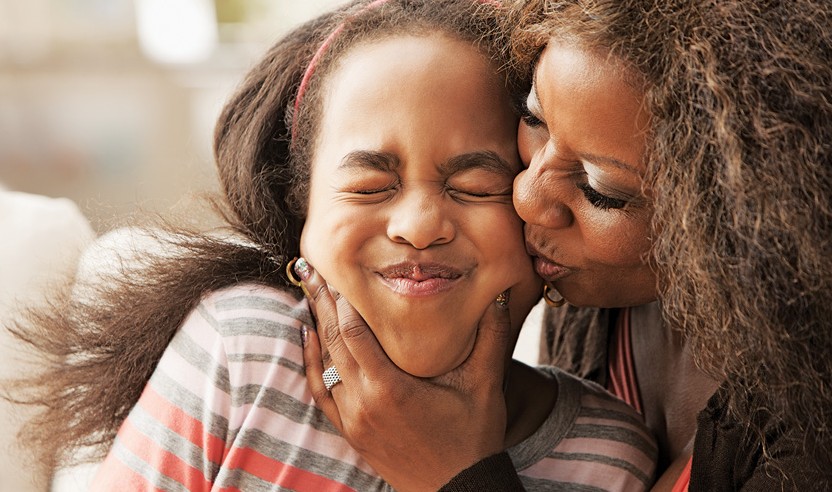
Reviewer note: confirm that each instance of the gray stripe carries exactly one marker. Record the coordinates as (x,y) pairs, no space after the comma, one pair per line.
(147,472)
(247,325)
(191,404)
(542,485)
(283,404)
(196,356)
(273,359)
(609,414)
(265,397)
(563,414)
(241,480)
(172,442)
(310,461)
(606,460)
(613,433)
(262,303)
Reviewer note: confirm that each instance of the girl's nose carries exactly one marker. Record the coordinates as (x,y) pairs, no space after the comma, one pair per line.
(421,220)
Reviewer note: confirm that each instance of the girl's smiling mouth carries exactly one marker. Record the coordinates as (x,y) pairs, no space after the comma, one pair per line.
(415,279)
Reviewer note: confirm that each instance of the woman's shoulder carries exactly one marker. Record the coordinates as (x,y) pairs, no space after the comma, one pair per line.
(768,454)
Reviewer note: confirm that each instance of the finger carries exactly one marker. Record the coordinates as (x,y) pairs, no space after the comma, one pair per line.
(494,336)
(326,313)
(315,378)
(363,344)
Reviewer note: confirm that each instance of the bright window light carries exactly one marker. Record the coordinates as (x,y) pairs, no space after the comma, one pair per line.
(176,31)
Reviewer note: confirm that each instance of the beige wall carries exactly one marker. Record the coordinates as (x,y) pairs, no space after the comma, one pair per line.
(86,115)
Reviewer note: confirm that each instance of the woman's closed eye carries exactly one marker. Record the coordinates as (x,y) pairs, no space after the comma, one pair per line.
(599,200)
(527,116)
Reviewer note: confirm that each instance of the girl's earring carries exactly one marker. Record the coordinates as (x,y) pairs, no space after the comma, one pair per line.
(549,301)
(290,273)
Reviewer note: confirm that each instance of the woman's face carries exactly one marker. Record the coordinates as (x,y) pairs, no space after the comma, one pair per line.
(410,211)
(581,194)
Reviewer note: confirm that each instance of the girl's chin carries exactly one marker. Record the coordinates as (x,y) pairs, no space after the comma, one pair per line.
(428,362)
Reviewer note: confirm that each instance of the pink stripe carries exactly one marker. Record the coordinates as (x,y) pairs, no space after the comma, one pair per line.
(622,380)
(279,473)
(615,423)
(604,402)
(268,375)
(113,474)
(613,449)
(593,474)
(175,419)
(303,435)
(179,370)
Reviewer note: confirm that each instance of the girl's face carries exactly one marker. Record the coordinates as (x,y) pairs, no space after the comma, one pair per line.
(410,211)
(581,195)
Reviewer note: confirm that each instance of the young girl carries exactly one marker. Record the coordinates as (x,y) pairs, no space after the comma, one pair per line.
(379,142)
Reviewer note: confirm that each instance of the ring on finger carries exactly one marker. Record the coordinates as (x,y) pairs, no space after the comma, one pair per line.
(331,377)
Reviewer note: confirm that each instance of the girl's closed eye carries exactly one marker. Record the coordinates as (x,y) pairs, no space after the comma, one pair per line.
(369,187)
(480,185)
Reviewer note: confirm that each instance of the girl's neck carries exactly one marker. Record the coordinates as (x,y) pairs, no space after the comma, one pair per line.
(530,397)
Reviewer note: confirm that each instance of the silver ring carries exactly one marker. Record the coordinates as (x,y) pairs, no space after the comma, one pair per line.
(331,378)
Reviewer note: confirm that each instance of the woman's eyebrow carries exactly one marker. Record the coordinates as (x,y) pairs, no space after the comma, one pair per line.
(487,160)
(609,161)
(381,161)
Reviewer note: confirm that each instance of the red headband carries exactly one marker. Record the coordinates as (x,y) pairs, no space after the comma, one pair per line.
(313,63)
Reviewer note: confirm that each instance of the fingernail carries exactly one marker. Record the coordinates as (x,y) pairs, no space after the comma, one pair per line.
(303,268)
(304,335)
(502,299)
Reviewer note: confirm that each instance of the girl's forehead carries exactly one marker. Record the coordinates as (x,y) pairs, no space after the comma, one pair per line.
(428,96)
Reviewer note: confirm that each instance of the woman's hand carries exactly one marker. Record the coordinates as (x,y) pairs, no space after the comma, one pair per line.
(417,433)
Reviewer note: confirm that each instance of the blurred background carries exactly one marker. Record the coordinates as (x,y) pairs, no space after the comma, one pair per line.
(112,103)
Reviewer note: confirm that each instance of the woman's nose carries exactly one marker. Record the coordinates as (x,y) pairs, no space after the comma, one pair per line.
(539,198)
(421,220)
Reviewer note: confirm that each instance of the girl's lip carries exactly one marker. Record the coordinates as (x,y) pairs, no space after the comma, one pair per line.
(419,279)
(419,288)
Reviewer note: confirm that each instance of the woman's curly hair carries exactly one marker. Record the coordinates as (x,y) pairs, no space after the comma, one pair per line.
(740,167)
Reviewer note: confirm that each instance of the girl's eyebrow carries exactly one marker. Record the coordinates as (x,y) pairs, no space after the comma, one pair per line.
(380,161)
(386,162)
(487,160)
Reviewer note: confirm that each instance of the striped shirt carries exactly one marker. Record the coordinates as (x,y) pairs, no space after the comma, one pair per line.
(228,409)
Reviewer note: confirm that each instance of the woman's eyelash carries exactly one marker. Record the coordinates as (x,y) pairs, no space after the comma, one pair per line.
(598,200)
(527,116)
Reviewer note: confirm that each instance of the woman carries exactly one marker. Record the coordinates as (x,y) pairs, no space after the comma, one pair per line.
(702,130)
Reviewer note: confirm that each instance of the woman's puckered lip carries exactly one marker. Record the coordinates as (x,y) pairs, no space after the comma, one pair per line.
(547,268)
